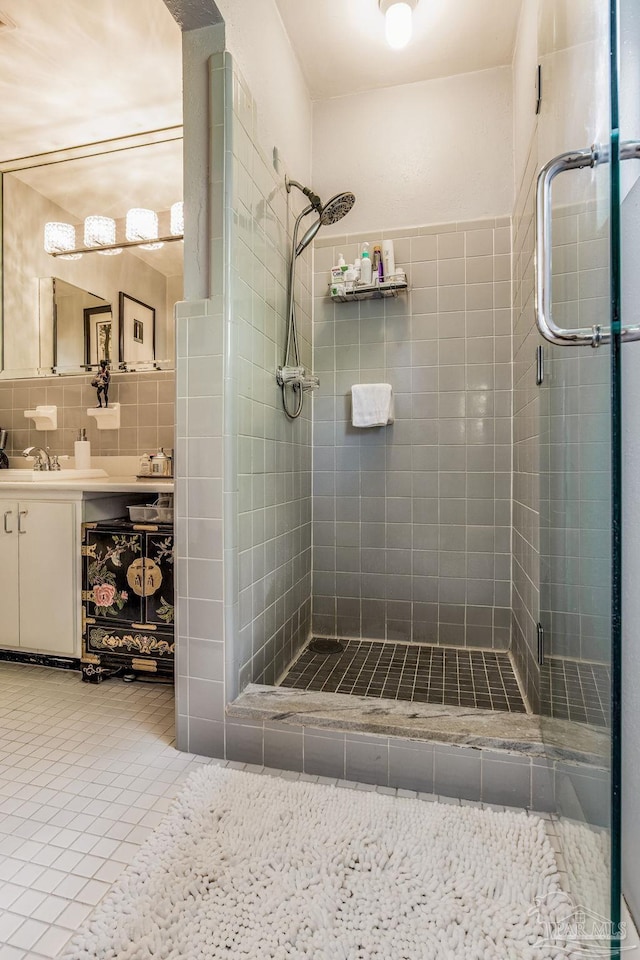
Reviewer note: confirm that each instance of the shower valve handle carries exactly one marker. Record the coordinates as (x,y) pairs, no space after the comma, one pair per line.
(292,375)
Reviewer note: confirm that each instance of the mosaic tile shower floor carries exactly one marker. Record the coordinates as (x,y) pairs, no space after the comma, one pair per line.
(578,691)
(414,672)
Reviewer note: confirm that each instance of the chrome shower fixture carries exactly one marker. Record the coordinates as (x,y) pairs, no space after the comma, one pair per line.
(313,198)
(291,376)
(335,209)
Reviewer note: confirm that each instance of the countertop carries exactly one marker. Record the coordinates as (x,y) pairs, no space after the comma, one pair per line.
(94,485)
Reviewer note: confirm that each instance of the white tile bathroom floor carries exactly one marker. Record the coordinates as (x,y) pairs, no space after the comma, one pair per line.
(86,773)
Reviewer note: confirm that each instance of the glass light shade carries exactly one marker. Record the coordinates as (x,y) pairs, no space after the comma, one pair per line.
(177,218)
(398,25)
(99,231)
(143,225)
(59,237)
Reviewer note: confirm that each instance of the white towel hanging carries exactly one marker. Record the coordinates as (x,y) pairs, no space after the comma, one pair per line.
(371,404)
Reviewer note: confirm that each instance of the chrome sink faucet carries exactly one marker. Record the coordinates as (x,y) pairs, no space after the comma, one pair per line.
(42,458)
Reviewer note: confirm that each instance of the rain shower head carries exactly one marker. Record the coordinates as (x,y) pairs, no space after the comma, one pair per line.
(337,208)
(330,212)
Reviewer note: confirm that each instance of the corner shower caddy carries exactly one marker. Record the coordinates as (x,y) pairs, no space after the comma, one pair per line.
(369,291)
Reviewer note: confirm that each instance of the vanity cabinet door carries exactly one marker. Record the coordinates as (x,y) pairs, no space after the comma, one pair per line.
(48,590)
(159,579)
(9,591)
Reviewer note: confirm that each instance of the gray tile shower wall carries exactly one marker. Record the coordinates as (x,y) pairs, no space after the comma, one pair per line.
(200,633)
(412,522)
(561,484)
(575,479)
(271,483)
(526,441)
(147,413)
(575,430)
(243,487)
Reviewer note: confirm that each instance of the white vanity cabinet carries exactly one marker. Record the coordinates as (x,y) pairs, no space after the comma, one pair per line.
(9,575)
(39,573)
(41,557)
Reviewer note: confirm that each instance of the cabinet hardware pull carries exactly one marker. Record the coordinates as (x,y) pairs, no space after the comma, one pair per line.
(21,514)
(7,514)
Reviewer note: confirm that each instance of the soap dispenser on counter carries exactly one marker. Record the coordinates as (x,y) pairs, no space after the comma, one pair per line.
(82,451)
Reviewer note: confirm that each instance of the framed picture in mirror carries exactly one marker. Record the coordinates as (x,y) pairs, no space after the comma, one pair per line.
(137,331)
(98,335)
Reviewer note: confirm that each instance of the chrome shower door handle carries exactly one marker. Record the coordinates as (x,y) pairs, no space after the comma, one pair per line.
(577,160)
(7,514)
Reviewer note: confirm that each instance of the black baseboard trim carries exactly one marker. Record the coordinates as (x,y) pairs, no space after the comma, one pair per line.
(40,659)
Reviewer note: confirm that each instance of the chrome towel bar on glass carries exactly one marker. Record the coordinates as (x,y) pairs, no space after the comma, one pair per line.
(589,336)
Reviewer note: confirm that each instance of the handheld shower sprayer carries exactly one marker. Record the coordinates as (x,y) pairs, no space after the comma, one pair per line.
(292,374)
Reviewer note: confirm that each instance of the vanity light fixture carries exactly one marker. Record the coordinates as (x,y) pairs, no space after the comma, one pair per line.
(60,238)
(177,219)
(100,232)
(141,229)
(398,21)
(142,224)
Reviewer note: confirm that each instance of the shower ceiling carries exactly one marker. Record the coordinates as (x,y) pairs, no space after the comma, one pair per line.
(342,48)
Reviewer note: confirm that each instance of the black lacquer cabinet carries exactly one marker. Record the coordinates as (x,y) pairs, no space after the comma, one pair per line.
(127,599)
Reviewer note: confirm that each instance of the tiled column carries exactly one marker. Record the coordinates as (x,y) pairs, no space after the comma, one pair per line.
(200,652)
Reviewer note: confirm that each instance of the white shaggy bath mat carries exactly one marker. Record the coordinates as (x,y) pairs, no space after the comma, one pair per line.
(251,867)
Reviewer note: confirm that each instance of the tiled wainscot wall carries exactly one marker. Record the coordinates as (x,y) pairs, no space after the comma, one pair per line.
(147,411)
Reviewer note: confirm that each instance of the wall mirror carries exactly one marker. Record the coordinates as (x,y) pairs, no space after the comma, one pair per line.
(61,314)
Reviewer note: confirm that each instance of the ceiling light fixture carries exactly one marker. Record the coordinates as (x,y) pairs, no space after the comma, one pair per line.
(398,21)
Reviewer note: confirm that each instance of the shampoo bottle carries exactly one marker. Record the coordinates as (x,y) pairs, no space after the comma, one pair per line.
(388,259)
(365,265)
(378,267)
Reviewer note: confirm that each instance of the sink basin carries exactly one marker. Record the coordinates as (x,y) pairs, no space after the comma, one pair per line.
(48,476)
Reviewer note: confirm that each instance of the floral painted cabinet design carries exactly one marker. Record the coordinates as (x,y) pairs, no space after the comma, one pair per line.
(128,598)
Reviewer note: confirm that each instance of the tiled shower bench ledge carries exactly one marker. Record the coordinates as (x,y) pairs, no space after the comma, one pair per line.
(479,755)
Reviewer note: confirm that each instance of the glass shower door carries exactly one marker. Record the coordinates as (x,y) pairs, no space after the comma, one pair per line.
(577,310)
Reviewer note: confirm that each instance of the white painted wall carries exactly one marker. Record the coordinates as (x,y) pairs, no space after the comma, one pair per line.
(262,49)
(525,60)
(428,152)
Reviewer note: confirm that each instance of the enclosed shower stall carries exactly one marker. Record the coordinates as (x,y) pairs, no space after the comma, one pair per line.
(432,604)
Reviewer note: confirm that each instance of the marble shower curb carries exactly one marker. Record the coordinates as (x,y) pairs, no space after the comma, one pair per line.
(459,726)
